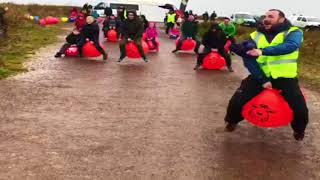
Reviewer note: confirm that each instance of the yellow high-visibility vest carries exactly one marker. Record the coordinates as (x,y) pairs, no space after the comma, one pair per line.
(282,66)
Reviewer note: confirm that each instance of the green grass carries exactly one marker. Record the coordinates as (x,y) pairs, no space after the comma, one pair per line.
(25,37)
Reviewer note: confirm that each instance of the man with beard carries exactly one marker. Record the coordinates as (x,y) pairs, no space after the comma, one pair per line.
(132,30)
(277,53)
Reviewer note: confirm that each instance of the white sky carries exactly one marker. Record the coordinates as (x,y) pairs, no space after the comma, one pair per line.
(222,7)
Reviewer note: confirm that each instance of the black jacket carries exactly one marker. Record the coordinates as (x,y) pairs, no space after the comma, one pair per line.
(2,12)
(132,29)
(73,39)
(216,40)
(91,31)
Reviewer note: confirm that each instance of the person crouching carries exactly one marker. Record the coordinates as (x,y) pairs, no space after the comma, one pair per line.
(72,39)
(152,35)
(90,32)
(132,30)
(214,39)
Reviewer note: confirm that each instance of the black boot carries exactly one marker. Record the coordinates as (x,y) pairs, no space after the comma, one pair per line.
(230,127)
(121,58)
(176,50)
(58,55)
(105,56)
(298,136)
(145,59)
(230,69)
(196,67)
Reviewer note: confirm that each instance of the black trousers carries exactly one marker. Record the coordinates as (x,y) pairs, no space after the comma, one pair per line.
(154,42)
(221,51)
(290,90)
(169,27)
(64,47)
(96,44)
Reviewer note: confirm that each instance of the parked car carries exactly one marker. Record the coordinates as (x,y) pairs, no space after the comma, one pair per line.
(100,7)
(243,18)
(307,22)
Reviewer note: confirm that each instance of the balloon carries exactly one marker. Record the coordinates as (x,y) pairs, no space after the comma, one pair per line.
(132,49)
(112,35)
(268,109)
(72,19)
(64,19)
(89,50)
(213,61)
(27,16)
(51,20)
(72,51)
(36,18)
(187,44)
(42,22)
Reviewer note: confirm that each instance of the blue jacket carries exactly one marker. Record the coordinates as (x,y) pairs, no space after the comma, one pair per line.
(292,42)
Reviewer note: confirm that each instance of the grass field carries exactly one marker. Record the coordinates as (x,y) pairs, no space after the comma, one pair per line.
(25,36)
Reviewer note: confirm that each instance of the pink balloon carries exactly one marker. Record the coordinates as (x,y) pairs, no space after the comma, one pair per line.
(42,22)
(72,51)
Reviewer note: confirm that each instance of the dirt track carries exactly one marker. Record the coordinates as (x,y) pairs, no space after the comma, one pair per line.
(79,119)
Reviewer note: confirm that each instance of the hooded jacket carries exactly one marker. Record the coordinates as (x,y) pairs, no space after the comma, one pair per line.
(132,28)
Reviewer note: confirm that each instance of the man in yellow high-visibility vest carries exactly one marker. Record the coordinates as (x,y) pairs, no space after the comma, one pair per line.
(171,20)
(277,53)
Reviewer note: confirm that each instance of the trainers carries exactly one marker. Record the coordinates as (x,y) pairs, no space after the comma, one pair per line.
(230,127)
(230,69)
(121,59)
(298,136)
(145,59)
(58,55)
(196,67)
(174,51)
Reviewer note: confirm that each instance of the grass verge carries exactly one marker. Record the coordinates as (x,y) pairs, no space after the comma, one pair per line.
(25,37)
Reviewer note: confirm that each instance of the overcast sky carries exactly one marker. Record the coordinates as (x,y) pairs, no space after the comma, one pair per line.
(222,7)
